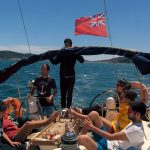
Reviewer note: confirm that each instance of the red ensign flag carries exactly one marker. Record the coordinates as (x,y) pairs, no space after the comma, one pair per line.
(93,25)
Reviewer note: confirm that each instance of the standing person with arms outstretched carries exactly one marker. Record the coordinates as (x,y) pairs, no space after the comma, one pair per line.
(67,73)
(46,89)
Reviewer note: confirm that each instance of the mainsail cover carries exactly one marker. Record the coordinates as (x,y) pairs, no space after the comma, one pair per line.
(141,60)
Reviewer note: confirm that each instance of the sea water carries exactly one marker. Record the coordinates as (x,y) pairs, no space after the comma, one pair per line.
(92,78)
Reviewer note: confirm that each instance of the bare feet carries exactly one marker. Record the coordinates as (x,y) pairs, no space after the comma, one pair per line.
(78,110)
(53,116)
(73,113)
(77,115)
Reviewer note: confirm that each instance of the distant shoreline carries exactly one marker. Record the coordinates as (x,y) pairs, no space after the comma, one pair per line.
(10,55)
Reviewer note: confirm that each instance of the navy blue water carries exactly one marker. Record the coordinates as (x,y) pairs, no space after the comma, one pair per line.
(91,79)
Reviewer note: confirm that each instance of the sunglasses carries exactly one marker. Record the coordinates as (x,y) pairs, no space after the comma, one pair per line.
(124,98)
(118,84)
(67,42)
(130,111)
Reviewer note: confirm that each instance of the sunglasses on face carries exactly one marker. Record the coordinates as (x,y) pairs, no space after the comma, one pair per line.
(67,42)
(130,111)
(118,84)
(124,98)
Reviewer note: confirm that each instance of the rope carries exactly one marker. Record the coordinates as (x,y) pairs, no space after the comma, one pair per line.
(147,117)
(110,39)
(102,105)
(27,39)
(26,34)
(18,86)
(23,22)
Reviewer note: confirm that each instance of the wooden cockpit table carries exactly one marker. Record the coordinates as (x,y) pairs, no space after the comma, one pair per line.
(55,129)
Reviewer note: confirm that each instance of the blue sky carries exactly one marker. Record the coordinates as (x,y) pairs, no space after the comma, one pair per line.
(49,22)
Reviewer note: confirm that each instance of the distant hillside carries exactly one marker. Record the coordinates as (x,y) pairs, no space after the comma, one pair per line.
(12,55)
(117,60)
(15,55)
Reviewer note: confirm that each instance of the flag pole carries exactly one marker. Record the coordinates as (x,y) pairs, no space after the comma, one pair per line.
(107,23)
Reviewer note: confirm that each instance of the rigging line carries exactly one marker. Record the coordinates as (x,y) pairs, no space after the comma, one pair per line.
(108,26)
(124,54)
(17,80)
(108,23)
(110,39)
(24,26)
(18,86)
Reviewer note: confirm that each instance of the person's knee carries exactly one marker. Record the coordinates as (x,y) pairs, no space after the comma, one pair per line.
(93,114)
(82,139)
(95,118)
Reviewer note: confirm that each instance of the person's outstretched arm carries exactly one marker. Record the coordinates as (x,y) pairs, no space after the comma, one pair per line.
(80,58)
(55,60)
(115,136)
(143,89)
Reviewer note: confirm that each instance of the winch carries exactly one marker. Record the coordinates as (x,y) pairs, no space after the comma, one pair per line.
(69,141)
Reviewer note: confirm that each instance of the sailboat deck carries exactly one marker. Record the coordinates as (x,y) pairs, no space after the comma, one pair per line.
(43,138)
